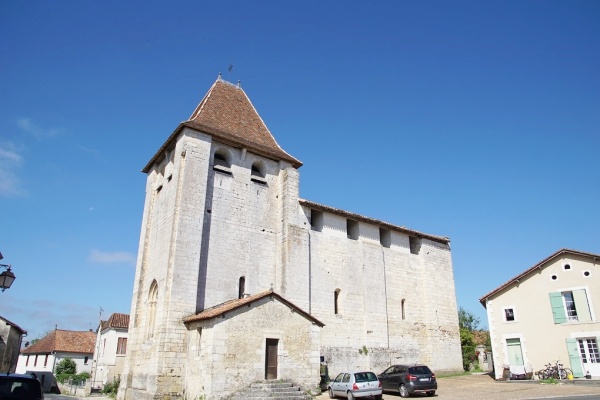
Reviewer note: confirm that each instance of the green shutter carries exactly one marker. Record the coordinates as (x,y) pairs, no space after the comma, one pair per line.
(558,308)
(574,359)
(581,305)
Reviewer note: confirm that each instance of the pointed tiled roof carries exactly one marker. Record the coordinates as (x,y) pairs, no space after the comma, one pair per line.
(228,115)
(237,303)
(64,341)
(540,265)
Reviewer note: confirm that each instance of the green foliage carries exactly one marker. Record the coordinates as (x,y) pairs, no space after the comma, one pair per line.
(467,344)
(80,378)
(111,388)
(364,350)
(467,320)
(66,366)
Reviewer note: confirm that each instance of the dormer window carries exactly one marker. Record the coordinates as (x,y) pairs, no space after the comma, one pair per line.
(257,175)
(221,164)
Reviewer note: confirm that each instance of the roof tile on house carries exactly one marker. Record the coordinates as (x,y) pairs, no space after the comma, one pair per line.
(231,305)
(539,265)
(228,115)
(117,321)
(64,341)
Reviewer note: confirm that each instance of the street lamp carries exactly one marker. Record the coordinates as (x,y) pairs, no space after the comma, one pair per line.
(7,277)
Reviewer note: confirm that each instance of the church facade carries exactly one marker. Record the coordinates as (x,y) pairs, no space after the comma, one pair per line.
(238,279)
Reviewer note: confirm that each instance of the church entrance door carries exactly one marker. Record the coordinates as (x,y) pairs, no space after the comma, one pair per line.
(271,359)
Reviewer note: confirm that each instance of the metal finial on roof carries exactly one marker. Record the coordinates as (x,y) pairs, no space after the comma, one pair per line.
(239,84)
(220,77)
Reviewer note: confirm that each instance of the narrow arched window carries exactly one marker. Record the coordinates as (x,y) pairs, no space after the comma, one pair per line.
(241,287)
(336,299)
(152,300)
(221,163)
(403,315)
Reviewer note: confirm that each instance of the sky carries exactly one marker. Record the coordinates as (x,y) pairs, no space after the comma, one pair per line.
(475,120)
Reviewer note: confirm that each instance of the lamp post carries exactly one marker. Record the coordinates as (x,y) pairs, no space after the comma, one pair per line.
(7,277)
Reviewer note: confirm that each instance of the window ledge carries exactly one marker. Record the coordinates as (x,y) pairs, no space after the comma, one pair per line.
(221,168)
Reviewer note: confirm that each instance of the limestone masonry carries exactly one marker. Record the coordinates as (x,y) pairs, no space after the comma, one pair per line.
(240,280)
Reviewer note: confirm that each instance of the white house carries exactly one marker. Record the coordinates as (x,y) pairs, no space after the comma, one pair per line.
(110,350)
(548,314)
(43,356)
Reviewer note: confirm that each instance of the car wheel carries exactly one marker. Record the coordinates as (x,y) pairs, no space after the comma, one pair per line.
(431,393)
(403,391)
(350,397)
(331,395)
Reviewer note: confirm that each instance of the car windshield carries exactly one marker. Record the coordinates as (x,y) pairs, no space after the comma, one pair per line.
(365,377)
(420,370)
(18,388)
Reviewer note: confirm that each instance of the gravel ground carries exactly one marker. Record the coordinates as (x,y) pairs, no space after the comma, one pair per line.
(483,387)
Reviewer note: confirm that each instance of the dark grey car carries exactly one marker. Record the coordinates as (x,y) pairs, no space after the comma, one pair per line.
(20,387)
(408,379)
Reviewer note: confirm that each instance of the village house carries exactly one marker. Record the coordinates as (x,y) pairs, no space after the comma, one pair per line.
(11,336)
(547,314)
(238,279)
(110,350)
(43,356)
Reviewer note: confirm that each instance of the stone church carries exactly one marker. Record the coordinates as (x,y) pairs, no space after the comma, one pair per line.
(239,280)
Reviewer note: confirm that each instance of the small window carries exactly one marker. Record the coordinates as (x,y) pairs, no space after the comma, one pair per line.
(415,244)
(241,287)
(385,237)
(257,175)
(336,299)
(121,345)
(509,314)
(554,277)
(85,360)
(199,339)
(221,164)
(586,273)
(567,267)
(352,229)
(316,220)
(403,314)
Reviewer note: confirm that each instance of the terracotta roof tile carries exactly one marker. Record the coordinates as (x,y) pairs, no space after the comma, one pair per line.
(539,265)
(64,341)
(228,115)
(231,305)
(118,321)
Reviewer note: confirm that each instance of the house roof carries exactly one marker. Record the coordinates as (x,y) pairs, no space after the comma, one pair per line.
(64,341)
(231,305)
(23,331)
(536,267)
(358,217)
(228,115)
(116,321)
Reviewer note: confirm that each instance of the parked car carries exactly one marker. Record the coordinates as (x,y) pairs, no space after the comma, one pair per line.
(20,387)
(409,379)
(355,384)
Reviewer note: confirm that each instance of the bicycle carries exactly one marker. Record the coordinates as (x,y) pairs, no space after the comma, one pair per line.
(556,371)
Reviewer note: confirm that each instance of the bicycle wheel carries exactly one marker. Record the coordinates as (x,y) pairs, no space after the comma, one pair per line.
(540,374)
(562,374)
(568,372)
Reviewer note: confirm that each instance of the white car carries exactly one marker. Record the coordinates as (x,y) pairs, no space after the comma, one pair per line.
(355,384)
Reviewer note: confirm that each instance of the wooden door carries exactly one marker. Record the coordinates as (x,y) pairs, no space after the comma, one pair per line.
(271,359)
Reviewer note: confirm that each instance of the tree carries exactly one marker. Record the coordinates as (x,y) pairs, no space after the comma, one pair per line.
(467,320)
(66,367)
(467,323)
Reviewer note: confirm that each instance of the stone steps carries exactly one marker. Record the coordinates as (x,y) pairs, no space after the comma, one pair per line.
(272,390)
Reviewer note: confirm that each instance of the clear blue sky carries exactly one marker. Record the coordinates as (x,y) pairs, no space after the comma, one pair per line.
(474,120)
